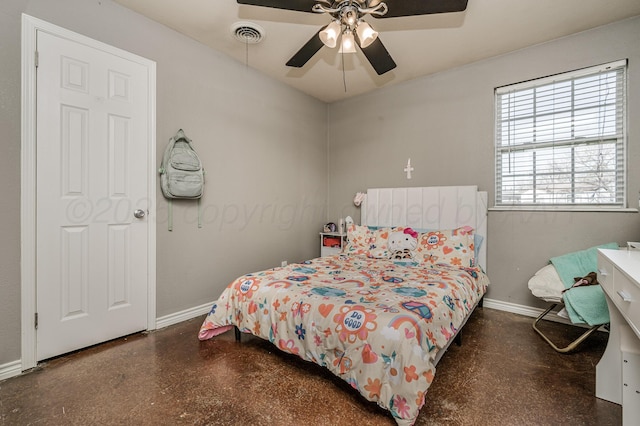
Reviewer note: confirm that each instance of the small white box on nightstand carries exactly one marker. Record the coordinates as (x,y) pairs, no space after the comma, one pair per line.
(331,243)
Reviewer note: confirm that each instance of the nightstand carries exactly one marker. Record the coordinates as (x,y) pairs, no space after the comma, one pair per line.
(332,243)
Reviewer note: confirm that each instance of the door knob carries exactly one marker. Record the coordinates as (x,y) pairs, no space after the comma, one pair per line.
(139,214)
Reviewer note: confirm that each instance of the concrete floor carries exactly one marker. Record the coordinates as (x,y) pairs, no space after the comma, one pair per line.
(503,374)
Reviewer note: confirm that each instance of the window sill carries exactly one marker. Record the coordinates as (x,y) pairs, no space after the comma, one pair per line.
(562,209)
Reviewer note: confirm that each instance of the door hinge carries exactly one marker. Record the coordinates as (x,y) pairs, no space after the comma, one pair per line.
(36,320)
(35,57)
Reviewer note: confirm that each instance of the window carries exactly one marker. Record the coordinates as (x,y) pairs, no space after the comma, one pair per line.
(560,140)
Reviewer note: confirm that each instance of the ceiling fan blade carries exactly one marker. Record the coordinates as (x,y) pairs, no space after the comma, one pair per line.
(420,7)
(297,5)
(379,57)
(307,51)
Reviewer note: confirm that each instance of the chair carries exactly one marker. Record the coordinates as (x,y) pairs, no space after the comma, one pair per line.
(547,285)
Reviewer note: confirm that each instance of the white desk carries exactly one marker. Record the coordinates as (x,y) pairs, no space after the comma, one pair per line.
(618,372)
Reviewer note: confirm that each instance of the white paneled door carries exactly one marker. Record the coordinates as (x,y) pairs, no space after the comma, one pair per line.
(92,195)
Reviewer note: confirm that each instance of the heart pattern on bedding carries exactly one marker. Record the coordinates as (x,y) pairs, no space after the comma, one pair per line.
(325,309)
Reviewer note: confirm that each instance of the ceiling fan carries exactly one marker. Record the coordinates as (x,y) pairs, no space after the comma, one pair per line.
(347,23)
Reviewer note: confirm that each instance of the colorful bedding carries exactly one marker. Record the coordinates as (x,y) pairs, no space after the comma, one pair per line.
(375,323)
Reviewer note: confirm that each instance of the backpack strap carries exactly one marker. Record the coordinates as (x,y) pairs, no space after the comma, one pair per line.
(162,170)
(170,219)
(163,166)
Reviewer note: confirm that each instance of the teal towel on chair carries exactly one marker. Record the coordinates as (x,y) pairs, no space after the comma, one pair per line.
(584,304)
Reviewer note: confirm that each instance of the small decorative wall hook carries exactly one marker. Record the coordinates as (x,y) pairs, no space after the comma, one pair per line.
(408,169)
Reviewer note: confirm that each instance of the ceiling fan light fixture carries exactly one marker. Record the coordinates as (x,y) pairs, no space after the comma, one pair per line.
(348,43)
(366,34)
(329,35)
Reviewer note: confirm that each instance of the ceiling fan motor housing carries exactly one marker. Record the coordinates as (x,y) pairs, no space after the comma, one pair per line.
(348,13)
(349,16)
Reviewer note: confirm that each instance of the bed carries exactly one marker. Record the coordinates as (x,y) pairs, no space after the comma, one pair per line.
(381,314)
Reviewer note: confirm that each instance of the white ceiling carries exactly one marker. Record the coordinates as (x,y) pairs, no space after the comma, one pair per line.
(420,45)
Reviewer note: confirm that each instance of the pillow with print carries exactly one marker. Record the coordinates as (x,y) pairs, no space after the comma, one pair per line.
(378,243)
(454,247)
(357,237)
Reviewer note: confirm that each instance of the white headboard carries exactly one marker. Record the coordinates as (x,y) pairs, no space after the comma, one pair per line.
(432,207)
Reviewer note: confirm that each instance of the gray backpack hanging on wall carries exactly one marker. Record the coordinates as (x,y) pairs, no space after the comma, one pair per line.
(181,173)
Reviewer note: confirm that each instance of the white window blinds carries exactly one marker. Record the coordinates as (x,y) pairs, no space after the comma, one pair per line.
(560,140)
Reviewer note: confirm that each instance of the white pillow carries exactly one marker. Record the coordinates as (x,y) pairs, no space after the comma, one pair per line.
(547,285)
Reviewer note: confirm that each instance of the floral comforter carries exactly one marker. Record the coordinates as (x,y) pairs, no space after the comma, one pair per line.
(376,324)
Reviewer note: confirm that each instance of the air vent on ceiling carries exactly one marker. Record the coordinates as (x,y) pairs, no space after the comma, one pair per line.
(247,32)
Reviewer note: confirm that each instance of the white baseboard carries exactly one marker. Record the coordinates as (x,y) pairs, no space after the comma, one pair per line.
(499,305)
(10,369)
(527,311)
(185,315)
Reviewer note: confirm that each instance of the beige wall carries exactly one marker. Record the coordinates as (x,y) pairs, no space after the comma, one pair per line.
(263,145)
(445,123)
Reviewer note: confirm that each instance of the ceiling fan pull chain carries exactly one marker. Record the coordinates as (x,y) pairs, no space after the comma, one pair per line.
(344,77)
